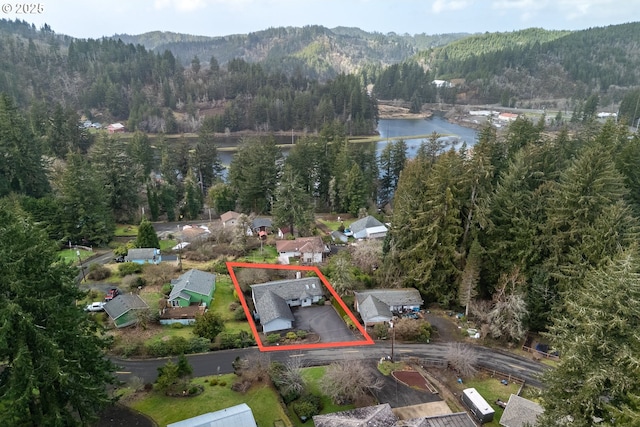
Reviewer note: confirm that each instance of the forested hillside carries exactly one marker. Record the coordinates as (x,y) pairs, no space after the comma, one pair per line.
(315,51)
(536,65)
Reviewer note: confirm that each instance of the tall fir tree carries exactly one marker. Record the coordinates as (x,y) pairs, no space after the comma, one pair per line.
(55,372)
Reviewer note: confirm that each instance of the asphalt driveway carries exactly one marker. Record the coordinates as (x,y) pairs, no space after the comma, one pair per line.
(324,321)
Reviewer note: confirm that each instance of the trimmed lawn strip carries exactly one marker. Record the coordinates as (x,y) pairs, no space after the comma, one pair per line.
(261,398)
(223,296)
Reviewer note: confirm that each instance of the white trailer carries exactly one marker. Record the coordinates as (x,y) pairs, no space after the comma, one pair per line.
(477,405)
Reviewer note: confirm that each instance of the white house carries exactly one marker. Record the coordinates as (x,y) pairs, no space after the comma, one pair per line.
(368,228)
(308,249)
(229,218)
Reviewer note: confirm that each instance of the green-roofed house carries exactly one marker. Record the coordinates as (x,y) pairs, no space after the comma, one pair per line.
(125,309)
(191,293)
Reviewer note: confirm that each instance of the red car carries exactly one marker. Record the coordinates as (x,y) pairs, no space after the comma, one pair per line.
(111,294)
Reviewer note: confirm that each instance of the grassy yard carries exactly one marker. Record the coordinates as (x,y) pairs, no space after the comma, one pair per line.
(126,230)
(334,225)
(268,254)
(71,255)
(167,244)
(313,376)
(262,399)
(491,389)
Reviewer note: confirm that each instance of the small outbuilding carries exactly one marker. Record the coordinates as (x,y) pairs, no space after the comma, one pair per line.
(520,412)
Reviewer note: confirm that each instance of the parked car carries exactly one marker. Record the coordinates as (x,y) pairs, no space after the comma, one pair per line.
(111,294)
(95,306)
(119,258)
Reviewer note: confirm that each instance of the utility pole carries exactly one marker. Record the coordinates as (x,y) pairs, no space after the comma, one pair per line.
(393,337)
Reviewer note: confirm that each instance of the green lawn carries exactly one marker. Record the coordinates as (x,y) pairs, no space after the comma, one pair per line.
(167,244)
(313,376)
(268,254)
(71,255)
(262,400)
(126,230)
(334,225)
(491,389)
(222,298)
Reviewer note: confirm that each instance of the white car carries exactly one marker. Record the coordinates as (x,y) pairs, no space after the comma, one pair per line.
(95,306)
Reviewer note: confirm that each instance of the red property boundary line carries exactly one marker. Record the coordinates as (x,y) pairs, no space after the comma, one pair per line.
(231,265)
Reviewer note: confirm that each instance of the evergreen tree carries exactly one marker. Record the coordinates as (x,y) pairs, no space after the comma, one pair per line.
(54,367)
(598,376)
(121,175)
(147,237)
(86,217)
(22,169)
(253,174)
(292,207)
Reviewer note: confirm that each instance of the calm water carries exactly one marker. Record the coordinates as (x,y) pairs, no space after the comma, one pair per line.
(404,128)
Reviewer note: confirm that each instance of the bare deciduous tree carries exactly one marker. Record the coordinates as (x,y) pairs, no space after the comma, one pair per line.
(250,276)
(506,319)
(291,378)
(462,358)
(349,380)
(367,255)
(255,367)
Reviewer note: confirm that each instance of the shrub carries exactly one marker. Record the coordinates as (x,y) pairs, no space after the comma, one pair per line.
(208,325)
(381,331)
(222,383)
(176,325)
(98,272)
(220,268)
(133,283)
(273,338)
(199,345)
(413,330)
(166,289)
(126,268)
(291,335)
(239,314)
(213,382)
(233,306)
(307,406)
(302,334)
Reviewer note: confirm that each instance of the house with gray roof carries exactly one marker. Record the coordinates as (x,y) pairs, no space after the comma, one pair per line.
(368,228)
(379,305)
(273,300)
(520,412)
(235,416)
(191,293)
(383,416)
(144,256)
(124,309)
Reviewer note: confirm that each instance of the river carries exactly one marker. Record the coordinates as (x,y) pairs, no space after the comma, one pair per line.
(452,133)
(390,129)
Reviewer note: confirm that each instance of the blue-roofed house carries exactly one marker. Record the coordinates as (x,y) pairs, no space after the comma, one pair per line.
(235,416)
(144,256)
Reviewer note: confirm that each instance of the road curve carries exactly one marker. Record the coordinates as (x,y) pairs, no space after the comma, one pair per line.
(220,362)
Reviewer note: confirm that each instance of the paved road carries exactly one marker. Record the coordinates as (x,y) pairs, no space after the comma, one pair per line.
(220,361)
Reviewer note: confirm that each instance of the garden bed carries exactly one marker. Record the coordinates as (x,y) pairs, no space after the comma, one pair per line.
(413,379)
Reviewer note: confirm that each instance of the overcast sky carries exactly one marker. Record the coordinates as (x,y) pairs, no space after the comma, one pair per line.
(97,18)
